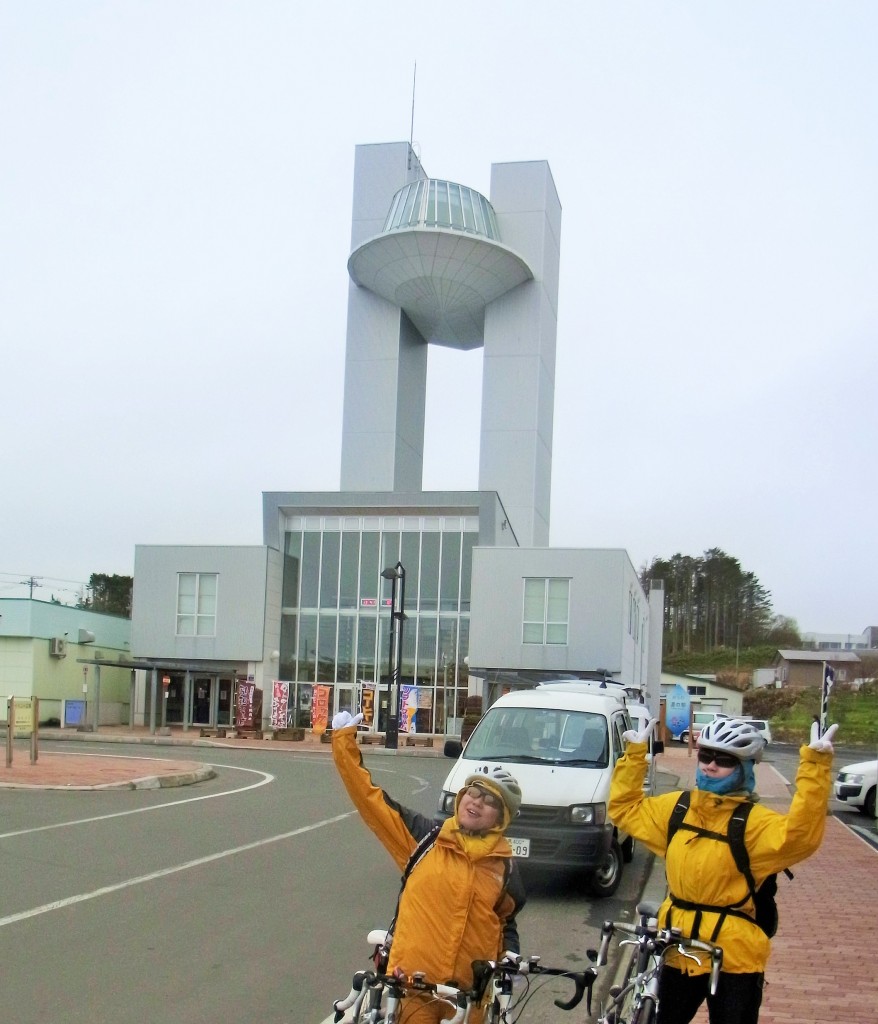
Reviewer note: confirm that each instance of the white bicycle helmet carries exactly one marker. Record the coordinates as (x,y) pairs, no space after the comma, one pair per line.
(733,736)
(500,781)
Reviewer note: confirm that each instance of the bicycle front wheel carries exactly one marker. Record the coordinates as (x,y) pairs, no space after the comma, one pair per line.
(645,1012)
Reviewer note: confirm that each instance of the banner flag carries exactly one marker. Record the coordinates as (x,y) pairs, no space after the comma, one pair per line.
(828,680)
(320,708)
(367,703)
(280,702)
(408,703)
(246,695)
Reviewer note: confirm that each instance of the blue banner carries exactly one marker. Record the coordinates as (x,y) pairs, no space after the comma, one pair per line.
(677,710)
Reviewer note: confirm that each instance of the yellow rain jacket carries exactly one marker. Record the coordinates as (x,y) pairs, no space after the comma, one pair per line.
(461,898)
(702,870)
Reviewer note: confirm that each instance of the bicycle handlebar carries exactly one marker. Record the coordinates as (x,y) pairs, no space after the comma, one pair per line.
(662,941)
(484,970)
(501,972)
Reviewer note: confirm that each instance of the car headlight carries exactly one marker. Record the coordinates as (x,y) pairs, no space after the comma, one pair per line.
(588,814)
(851,780)
(446,803)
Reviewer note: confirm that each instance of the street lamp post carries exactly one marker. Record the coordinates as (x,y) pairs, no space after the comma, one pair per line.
(396,575)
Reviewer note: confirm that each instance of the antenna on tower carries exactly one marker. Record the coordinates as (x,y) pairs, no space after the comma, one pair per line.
(414,80)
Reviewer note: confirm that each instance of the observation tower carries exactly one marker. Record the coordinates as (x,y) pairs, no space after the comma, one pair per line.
(436,262)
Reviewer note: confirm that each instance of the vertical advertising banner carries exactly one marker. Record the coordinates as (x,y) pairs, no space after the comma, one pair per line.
(280,702)
(408,703)
(244,715)
(320,709)
(367,704)
(677,707)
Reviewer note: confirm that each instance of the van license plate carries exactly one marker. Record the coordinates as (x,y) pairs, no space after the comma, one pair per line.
(520,847)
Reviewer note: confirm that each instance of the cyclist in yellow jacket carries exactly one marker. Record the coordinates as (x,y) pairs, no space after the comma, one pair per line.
(460,901)
(708,897)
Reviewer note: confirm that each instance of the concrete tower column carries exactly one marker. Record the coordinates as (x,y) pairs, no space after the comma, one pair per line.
(386,358)
(518,383)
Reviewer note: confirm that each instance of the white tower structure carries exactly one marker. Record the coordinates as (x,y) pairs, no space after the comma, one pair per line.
(435,262)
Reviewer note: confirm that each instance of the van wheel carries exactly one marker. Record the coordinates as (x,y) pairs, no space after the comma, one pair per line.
(604,881)
(627,848)
(868,807)
(684,736)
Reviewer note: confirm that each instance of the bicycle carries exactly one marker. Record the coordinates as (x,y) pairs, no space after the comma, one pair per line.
(376,997)
(636,1000)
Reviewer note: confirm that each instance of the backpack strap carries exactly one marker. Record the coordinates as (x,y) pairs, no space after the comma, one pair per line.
(675,822)
(425,844)
(678,813)
(737,828)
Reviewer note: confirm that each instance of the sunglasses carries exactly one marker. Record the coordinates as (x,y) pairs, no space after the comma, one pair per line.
(721,760)
(489,800)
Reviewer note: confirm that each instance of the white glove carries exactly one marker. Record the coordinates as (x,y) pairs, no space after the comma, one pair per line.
(345,718)
(642,736)
(824,744)
(511,958)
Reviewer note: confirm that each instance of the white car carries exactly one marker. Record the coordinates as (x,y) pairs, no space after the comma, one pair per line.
(855,784)
(761,726)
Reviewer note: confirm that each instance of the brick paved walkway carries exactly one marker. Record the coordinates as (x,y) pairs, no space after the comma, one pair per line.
(98,771)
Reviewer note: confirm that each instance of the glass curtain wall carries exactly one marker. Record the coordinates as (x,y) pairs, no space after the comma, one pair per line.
(335,625)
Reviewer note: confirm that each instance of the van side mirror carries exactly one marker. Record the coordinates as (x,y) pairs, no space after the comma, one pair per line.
(452,748)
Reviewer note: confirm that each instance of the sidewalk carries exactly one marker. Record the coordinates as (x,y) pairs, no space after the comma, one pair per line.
(822,966)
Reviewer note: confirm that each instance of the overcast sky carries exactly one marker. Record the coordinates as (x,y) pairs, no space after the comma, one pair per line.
(175,199)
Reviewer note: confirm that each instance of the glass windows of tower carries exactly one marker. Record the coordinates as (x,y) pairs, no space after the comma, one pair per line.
(445,204)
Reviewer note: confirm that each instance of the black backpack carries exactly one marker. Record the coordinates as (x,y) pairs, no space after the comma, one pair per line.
(763,897)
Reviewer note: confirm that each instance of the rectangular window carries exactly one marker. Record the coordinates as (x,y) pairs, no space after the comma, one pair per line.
(546,611)
(196,603)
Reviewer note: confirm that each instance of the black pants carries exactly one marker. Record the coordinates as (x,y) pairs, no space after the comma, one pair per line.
(737,1000)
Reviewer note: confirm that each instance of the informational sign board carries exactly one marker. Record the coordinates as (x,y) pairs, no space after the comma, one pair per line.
(23,723)
(74,712)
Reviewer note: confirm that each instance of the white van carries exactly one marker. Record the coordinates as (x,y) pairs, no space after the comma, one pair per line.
(561,742)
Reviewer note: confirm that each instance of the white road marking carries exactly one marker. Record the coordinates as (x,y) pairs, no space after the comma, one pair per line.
(265,778)
(46,908)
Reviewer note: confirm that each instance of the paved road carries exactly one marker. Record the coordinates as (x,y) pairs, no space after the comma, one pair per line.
(245,897)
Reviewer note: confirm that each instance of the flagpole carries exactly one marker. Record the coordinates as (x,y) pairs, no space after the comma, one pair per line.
(828,680)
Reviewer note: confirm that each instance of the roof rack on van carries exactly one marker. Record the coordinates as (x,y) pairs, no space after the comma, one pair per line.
(606,687)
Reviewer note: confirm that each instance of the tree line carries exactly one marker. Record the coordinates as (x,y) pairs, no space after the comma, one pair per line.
(712,602)
(110,594)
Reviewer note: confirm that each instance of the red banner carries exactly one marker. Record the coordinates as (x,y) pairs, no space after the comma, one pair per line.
(246,693)
(280,702)
(320,708)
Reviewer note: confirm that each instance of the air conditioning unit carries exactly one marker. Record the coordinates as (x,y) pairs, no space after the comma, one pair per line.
(58,647)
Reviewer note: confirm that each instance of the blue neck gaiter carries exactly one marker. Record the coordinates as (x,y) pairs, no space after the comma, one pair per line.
(733,783)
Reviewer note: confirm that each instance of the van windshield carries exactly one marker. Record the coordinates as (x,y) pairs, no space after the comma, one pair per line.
(541,736)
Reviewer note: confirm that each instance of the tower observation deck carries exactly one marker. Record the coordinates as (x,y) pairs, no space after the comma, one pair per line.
(439,258)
